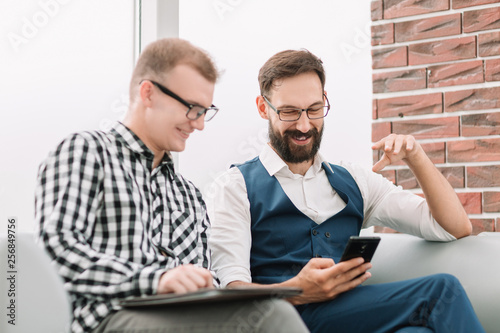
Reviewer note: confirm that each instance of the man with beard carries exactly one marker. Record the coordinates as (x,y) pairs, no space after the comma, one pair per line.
(284,217)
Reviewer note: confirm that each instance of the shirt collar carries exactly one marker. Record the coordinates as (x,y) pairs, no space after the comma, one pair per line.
(274,165)
(134,143)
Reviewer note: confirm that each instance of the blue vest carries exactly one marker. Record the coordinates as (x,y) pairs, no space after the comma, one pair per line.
(283,238)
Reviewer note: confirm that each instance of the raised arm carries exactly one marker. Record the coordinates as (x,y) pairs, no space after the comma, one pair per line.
(442,200)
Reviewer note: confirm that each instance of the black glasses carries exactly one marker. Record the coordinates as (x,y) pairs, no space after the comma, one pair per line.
(293,114)
(194,111)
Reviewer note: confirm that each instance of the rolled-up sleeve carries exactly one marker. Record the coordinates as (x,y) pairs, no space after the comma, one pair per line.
(391,206)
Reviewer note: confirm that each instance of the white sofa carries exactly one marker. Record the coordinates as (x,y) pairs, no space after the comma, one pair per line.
(42,306)
(474,260)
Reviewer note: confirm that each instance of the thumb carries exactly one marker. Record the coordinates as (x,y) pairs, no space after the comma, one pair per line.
(320,263)
(382,163)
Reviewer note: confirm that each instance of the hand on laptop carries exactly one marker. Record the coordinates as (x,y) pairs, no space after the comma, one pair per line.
(185,278)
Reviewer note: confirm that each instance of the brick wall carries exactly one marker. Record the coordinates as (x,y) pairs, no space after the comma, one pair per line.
(436,76)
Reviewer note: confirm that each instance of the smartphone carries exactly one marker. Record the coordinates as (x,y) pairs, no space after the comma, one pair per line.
(360,246)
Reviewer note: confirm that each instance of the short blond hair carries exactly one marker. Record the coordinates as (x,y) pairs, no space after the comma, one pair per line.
(161,56)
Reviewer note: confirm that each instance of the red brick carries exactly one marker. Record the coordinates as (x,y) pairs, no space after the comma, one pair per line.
(390,57)
(383,34)
(489,44)
(454,175)
(497,224)
(469,3)
(435,151)
(471,202)
(374,109)
(410,105)
(389,174)
(472,99)
(401,8)
(492,70)
(491,202)
(377,10)
(455,74)
(482,19)
(483,176)
(482,225)
(483,150)
(481,124)
(438,26)
(399,80)
(380,131)
(428,128)
(443,50)
(406,179)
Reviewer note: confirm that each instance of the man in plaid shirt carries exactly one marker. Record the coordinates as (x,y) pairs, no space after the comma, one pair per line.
(118,221)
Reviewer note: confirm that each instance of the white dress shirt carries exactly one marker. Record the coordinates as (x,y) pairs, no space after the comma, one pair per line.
(383,204)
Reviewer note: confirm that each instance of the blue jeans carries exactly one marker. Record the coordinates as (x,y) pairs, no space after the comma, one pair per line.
(435,303)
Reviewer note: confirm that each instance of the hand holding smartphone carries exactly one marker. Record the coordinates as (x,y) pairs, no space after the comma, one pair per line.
(360,246)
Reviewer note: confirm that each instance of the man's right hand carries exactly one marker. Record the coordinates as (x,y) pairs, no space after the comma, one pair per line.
(321,279)
(185,278)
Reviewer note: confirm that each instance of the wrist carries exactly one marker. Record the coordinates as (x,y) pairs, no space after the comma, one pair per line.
(417,159)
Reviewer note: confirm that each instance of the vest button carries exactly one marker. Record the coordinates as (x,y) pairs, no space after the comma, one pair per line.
(315,232)
(327,234)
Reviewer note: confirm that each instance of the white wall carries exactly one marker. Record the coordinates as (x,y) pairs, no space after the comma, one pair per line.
(64,67)
(241,36)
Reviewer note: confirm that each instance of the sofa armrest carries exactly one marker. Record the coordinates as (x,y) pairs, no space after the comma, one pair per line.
(41,303)
(474,260)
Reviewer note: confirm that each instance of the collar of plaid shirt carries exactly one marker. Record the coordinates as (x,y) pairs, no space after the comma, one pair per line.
(135,144)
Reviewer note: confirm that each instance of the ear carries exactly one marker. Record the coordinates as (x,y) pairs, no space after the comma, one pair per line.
(145,92)
(261,107)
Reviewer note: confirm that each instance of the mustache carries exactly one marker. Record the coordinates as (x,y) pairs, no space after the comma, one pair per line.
(296,133)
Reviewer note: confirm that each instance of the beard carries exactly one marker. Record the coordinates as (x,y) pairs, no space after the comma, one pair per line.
(291,152)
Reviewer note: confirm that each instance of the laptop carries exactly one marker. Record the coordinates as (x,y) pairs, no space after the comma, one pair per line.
(211,295)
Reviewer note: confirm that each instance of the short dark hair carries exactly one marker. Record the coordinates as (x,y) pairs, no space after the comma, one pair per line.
(286,64)
(161,56)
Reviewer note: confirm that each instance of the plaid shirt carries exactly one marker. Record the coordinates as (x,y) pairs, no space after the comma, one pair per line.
(111,225)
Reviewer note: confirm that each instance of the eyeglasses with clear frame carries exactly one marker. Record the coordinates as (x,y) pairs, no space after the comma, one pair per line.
(293,114)
(194,111)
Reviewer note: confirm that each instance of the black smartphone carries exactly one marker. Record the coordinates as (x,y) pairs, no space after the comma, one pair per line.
(360,246)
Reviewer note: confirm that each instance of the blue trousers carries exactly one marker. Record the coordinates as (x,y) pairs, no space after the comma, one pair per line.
(435,303)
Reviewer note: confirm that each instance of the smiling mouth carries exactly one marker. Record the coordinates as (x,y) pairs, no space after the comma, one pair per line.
(184,133)
(301,138)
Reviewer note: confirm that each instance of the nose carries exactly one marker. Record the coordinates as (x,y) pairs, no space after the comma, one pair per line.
(303,124)
(199,123)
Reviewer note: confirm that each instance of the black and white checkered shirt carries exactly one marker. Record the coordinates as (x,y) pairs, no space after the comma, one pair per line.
(105,217)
